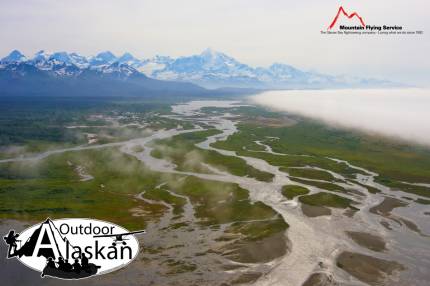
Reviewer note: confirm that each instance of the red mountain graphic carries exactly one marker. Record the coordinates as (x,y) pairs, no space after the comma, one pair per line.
(349,16)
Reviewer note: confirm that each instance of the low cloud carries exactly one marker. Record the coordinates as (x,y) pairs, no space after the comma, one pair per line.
(401,113)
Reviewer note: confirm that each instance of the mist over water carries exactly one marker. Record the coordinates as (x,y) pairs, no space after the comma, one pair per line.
(401,113)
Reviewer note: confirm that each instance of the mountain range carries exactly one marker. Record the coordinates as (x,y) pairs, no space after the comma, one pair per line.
(108,73)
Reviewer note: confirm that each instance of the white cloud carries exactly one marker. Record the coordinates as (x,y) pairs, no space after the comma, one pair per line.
(402,113)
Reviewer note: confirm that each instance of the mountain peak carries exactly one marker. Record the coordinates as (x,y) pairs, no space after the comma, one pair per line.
(103,58)
(15,53)
(106,55)
(282,67)
(61,57)
(40,57)
(41,52)
(14,57)
(126,57)
(209,52)
(214,57)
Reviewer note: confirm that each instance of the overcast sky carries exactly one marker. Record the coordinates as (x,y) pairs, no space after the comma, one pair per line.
(254,32)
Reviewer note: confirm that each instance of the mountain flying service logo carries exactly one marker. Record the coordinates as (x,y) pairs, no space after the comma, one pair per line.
(73,248)
(342,11)
(358,26)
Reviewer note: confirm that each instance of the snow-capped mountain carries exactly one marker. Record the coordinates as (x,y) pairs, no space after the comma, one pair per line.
(151,66)
(210,69)
(64,74)
(13,57)
(71,64)
(78,60)
(130,60)
(39,58)
(102,59)
(118,70)
(59,61)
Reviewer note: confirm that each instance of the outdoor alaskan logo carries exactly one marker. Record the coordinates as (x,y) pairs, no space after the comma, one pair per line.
(73,248)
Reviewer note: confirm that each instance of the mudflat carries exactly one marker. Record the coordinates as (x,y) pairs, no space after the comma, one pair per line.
(371,270)
(320,279)
(387,205)
(315,211)
(259,251)
(370,241)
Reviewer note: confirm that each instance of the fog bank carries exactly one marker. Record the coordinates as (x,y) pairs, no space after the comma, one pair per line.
(402,113)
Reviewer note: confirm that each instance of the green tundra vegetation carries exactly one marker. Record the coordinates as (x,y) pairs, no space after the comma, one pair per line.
(292,191)
(52,187)
(396,185)
(393,161)
(321,185)
(123,190)
(309,173)
(235,143)
(422,201)
(218,202)
(29,125)
(327,200)
(120,188)
(32,191)
(371,189)
(182,151)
